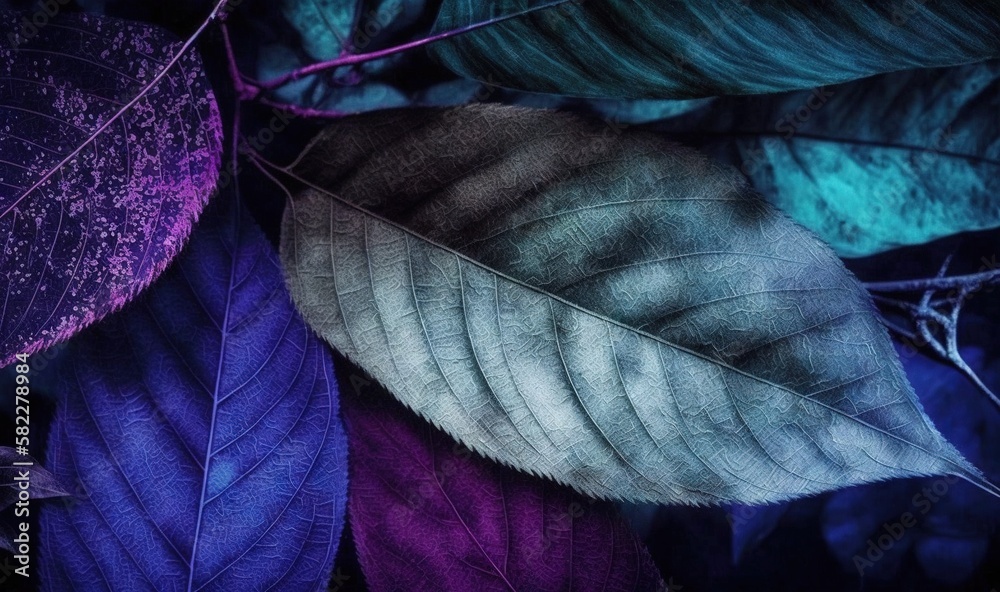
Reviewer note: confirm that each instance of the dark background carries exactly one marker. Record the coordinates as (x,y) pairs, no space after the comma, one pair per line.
(691,546)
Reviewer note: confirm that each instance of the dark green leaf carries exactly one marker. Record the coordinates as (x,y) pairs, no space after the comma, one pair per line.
(687,49)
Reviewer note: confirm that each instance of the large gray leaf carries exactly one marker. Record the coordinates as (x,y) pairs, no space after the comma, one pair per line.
(693,48)
(607,310)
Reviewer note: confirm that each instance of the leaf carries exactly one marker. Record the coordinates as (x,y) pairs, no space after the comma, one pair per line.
(40,484)
(326,26)
(202,422)
(946,523)
(347,97)
(93,209)
(871,165)
(690,49)
(43,483)
(427,514)
(599,307)
(645,110)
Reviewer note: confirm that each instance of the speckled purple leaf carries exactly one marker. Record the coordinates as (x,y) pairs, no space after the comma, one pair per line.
(93,208)
(201,426)
(428,514)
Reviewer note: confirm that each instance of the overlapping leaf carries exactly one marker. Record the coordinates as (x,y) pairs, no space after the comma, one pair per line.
(898,159)
(34,479)
(943,523)
(202,425)
(91,208)
(607,310)
(428,514)
(687,48)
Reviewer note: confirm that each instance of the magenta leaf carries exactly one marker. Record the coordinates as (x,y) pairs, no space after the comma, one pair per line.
(429,514)
(201,424)
(94,207)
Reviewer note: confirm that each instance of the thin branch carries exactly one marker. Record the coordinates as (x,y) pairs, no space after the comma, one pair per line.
(936,319)
(350,59)
(983,278)
(245,90)
(302,111)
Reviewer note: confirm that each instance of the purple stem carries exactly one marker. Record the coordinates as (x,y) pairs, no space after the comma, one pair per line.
(347,60)
(299,111)
(244,91)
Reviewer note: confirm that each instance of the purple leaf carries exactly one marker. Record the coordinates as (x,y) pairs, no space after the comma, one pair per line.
(40,483)
(93,208)
(202,424)
(428,514)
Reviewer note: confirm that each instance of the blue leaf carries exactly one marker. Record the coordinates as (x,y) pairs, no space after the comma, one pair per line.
(202,423)
(870,165)
(945,522)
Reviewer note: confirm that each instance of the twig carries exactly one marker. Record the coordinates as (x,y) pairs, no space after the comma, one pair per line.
(246,90)
(350,59)
(936,319)
(983,278)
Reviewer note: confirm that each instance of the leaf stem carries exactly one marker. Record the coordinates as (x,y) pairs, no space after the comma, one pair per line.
(979,481)
(973,281)
(244,91)
(349,59)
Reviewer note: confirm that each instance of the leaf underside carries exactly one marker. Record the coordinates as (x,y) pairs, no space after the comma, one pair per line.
(85,233)
(201,424)
(608,310)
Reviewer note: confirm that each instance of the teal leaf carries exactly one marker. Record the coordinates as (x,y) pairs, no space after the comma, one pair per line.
(325,26)
(688,49)
(871,165)
(349,95)
(605,309)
